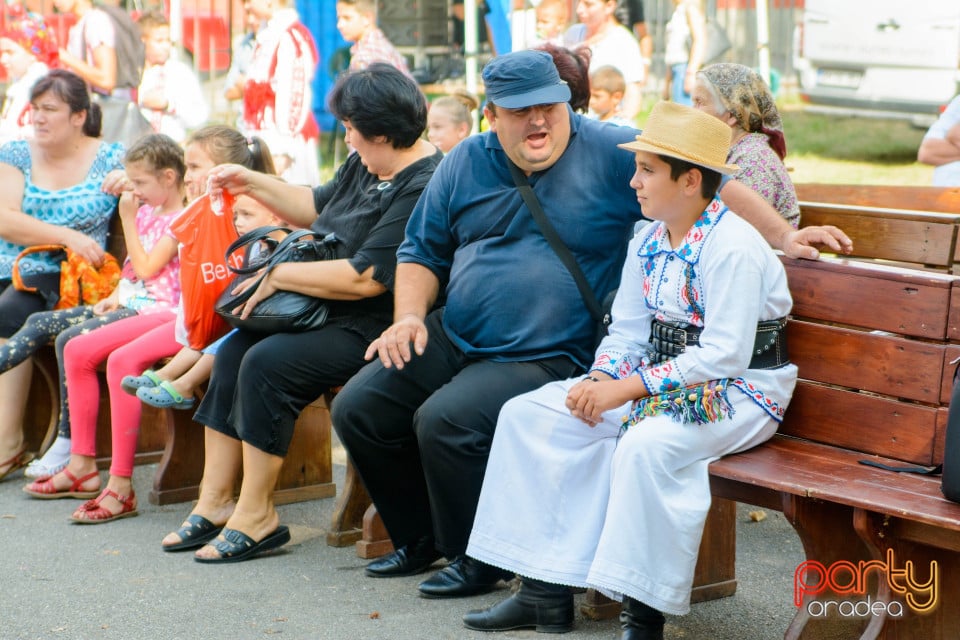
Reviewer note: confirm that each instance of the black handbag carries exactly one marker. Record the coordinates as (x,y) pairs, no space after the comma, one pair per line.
(284,311)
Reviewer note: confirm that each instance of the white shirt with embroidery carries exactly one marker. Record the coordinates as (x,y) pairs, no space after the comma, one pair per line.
(724,278)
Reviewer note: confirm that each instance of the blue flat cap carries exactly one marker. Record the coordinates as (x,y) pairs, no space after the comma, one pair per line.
(523,79)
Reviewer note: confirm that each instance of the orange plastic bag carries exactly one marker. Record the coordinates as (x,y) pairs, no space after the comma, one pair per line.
(80,281)
(204,234)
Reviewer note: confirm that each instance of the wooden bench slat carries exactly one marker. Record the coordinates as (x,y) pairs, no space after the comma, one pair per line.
(925,198)
(878,363)
(819,471)
(864,422)
(854,293)
(891,234)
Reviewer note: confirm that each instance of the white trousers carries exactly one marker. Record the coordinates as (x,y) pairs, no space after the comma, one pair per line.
(569,504)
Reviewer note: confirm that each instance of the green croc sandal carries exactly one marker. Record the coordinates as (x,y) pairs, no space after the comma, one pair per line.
(148,378)
(164,396)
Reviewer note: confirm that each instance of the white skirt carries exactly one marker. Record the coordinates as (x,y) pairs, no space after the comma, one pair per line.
(569,504)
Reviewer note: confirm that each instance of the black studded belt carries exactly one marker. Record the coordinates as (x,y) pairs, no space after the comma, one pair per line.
(670,339)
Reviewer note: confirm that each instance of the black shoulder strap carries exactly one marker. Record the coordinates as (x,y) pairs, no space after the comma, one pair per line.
(924,471)
(556,243)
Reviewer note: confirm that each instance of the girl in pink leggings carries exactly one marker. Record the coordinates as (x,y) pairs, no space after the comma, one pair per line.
(150,289)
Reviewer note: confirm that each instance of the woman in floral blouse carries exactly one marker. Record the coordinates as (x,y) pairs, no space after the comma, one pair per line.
(738,95)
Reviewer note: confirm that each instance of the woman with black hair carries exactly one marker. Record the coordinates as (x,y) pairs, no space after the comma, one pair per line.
(261,382)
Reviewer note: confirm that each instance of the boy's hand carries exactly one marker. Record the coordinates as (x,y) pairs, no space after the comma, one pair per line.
(589,399)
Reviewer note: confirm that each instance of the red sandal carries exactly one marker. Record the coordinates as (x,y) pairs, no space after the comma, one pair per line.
(92,513)
(43,487)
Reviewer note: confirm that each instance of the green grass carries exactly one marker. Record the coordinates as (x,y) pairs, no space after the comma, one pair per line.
(853,150)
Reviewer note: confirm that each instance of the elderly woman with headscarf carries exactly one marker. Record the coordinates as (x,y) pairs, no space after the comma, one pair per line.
(28,49)
(738,95)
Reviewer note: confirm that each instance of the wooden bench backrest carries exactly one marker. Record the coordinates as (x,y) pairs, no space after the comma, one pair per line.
(936,199)
(924,238)
(873,345)
(115,242)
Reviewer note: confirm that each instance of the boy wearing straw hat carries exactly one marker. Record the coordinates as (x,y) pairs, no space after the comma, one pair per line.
(608,473)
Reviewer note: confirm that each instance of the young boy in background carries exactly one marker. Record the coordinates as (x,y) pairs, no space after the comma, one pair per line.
(607,87)
(357,23)
(170,95)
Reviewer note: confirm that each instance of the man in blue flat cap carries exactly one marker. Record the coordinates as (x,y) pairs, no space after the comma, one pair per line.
(419,420)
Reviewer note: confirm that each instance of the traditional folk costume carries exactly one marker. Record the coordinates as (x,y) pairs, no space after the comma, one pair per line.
(621,506)
(277,98)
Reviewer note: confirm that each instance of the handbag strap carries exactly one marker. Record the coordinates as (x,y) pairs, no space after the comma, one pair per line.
(553,239)
(260,234)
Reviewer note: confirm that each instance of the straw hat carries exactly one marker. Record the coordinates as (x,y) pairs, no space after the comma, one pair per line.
(685,133)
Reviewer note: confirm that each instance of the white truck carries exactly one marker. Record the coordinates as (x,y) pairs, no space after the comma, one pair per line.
(879,58)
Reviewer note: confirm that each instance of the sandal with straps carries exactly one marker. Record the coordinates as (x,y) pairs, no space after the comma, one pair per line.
(44,488)
(92,513)
(18,461)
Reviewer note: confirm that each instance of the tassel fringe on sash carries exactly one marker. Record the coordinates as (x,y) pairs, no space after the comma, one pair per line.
(699,404)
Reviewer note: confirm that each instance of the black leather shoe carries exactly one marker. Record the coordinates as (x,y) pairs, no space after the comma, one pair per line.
(406,561)
(640,621)
(550,616)
(465,576)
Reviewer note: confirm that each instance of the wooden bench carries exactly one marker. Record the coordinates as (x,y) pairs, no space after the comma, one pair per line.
(171,438)
(934,199)
(873,345)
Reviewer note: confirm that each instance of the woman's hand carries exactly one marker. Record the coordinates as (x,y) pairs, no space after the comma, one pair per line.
(116,182)
(798,243)
(84,246)
(230,177)
(393,345)
(265,289)
(589,399)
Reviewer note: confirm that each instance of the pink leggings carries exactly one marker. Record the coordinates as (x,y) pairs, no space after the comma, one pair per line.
(129,346)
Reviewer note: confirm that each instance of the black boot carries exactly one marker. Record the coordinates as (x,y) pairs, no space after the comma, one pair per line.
(640,621)
(546,607)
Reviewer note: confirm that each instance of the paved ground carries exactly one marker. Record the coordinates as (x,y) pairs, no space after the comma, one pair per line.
(112,581)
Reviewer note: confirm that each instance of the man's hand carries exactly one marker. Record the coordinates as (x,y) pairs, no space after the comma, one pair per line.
(589,399)
(799,243)
(393,345)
